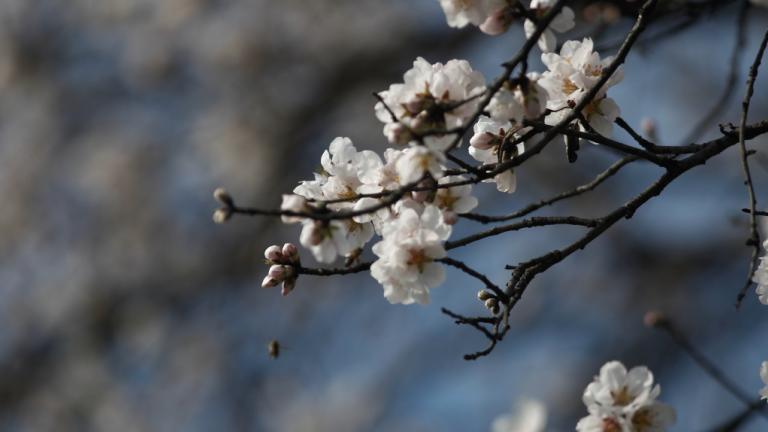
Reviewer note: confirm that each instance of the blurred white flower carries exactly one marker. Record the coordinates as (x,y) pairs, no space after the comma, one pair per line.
(764,377)
(529,416)
(460,13)
(418,160)
(563,22)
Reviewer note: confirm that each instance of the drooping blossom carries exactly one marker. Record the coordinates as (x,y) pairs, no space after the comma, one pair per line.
(528,416)
(488,141)
(406,265)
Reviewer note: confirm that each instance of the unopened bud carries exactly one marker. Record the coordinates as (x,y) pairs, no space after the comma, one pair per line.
(484,141)
(288,286)
(654,319)
(291,252)
(498,22)
(492,303)
(648,126)
(277,272)
(222,215)
(450,217)
(269,282)
(484,295)
(273,253)
(222,196)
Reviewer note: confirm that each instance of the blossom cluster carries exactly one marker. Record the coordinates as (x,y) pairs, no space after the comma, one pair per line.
(495,17)
(617,400)
(349,201)
(624,401)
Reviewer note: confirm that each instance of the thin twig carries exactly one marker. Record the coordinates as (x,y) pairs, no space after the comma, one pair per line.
(603,176)
(730,83)
(754,236)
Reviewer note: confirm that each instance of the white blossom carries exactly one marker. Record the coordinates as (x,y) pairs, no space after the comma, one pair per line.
(406,265)
(561,23)
(764,377)
(294,203)
(522,101)
(342,169)
(571,75)
(485,145)
(454,200)
(529,416)
(418,160)
(460,13)
(605,422)
(760,277)
(432,97)
(624,401)
(329,239)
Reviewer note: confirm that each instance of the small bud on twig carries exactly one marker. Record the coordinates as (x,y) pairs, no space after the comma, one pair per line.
(221,215)
(654,319)
(221,195)
(484,295)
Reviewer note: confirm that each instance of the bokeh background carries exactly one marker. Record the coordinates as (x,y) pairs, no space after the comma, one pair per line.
(124,308)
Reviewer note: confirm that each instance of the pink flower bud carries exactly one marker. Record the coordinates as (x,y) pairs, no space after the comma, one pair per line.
(483,140)
(277,272)
(450,217)
(497,22)
(288,286)
(291,252)
(273,253)
(269,282)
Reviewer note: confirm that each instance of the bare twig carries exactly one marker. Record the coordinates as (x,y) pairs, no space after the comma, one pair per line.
(603,176)
(754,236)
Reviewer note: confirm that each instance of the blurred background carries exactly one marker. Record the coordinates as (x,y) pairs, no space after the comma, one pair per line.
(124,308)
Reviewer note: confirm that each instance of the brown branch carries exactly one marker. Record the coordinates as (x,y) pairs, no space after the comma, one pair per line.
(754,236)
(603,176)
(730,83)
(527,223)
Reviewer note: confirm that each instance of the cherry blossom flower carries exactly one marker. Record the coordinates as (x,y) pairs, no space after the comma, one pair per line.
(342,167)
(563,22)
(454,200)
(526,100)
(329,239)
(411,243)
(487,142)
(624,401)
(432,97)
(529,416)
(417,161)
(571,75)
(460,13)
(602,423)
